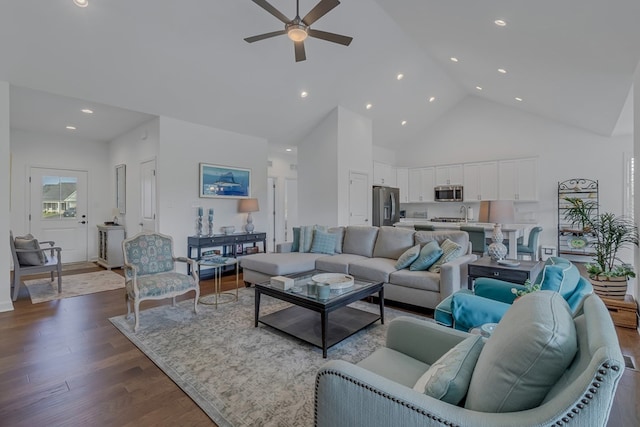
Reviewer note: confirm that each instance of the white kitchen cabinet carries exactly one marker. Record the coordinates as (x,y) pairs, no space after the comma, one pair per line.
(384,174)
(518,179)
(449,175)
(110,239)
(402,182)
(480,181)
(421,184)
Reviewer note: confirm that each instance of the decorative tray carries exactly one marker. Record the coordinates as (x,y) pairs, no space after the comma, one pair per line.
(508,262)
(335,280)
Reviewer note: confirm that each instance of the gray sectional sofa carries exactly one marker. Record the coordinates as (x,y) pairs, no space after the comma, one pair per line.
(371,253)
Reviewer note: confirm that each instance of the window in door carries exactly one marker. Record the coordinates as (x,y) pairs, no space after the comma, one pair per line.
(59,197)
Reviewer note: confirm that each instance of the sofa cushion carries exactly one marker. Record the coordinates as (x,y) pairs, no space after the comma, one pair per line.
(28,242)
(339,232)
(408,257)
(450,251)
(392,242)
(448,378)
(277,264)
(374,269)
(359,240)
(423,280)
(337,263)
(295,247)
(528,352)
(456,236)
(323,243)
(395,366)
(554,260)
(561,278)
(429,254)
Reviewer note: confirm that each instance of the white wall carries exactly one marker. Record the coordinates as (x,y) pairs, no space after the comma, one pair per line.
(636,155)
(318,173)
(5,191)
(182,146)
(477,130)
(29,149)
(384,155)
(131,149)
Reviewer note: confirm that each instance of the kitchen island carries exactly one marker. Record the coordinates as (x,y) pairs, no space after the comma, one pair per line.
(510,231)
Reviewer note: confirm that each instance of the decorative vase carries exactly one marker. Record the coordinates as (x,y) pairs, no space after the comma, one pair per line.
(610,287)
(497,250)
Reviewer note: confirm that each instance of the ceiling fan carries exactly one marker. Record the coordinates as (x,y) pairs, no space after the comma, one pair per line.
(299,29)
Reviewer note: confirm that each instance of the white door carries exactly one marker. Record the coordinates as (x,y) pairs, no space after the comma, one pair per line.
(359,205)
(58,210)
(290,208)
(271,227)
(148,195)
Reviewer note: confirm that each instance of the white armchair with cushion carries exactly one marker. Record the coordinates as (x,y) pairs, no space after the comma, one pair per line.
(541,367)
(30,258)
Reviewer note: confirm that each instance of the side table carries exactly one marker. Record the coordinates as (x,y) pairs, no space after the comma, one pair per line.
(486,267)
(623,312)
(218,264)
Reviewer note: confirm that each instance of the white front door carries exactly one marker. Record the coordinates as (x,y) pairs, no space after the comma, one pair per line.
(58,210)
(148,195)
(290,208)
(271,228)
(359,192)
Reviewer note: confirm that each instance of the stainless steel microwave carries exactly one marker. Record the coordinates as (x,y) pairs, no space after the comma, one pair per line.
(448,193)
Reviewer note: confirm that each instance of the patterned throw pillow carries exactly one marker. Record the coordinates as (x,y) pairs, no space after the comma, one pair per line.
(429,254)
(451,251)
(408,257)
(323,243)
(449,377)
(306,236)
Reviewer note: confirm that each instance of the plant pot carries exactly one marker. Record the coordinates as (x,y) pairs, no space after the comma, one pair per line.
(610,287)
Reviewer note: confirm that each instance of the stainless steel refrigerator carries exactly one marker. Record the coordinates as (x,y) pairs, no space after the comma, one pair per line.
(386,205)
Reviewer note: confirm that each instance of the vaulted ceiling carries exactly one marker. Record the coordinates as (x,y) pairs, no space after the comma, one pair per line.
(572,61)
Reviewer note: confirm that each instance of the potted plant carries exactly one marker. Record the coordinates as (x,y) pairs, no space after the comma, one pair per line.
(610,234)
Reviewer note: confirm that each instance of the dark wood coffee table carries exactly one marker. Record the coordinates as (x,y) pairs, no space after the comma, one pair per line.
(486,267)
(308,318)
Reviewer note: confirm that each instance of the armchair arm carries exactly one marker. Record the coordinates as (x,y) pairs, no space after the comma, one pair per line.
(471,311)
(420,339)
(454,273)
(348,395)
(495,289)
(194,266)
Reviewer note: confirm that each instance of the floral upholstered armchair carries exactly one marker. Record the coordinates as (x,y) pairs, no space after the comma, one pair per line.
(150,273)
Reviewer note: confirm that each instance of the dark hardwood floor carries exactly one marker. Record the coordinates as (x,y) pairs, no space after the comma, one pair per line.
(62,363)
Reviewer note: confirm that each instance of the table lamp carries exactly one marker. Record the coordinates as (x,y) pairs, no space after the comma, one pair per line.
(497,212)
(247,206)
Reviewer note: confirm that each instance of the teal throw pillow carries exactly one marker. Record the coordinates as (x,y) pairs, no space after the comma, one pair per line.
(449,377)
(561,278)
(429,254)
(451,251)
(323,243)
(295,247)
(407,258)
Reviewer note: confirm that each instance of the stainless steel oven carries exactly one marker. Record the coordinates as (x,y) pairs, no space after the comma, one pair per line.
(448,193)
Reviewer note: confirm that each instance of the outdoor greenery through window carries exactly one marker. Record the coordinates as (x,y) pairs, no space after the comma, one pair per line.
(59,197)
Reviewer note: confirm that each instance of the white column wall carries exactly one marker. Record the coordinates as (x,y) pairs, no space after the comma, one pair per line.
(5,178)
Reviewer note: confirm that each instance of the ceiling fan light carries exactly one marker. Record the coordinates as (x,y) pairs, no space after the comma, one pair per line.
(297,32)
(81,3)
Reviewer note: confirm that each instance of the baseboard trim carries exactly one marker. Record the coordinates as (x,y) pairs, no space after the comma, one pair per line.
(6,306)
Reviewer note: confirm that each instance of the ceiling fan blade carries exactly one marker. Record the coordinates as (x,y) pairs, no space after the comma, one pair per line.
(300,54)
(330,37)
(321,9)
(272,10)
(265,36)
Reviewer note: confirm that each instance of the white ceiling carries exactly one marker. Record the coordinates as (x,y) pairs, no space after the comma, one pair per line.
(571,60)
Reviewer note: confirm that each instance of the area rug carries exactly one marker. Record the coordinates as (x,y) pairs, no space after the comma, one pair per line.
(238,374)
(43,290)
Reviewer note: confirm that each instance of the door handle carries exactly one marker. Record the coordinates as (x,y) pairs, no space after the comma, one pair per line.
(82,222)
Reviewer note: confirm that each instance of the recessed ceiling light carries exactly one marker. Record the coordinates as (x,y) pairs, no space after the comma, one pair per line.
(432,98)
(81,3)
(303,94)
(518,99)
(500,22)
(453,59)
(479,87)
(289,149)
(368,106)
(502,71)
(400,76)
(87,111)
(71,127)
(404,122)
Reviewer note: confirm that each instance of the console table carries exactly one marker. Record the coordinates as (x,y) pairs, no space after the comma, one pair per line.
(229,245)
(486,267)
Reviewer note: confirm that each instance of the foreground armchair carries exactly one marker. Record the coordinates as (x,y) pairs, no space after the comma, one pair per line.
(541,367)
(149,266)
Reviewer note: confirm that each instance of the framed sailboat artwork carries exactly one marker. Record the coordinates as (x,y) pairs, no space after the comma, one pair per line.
(224,181)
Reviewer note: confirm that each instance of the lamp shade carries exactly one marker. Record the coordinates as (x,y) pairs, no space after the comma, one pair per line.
(115,212)
(248,205)
(497,212)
